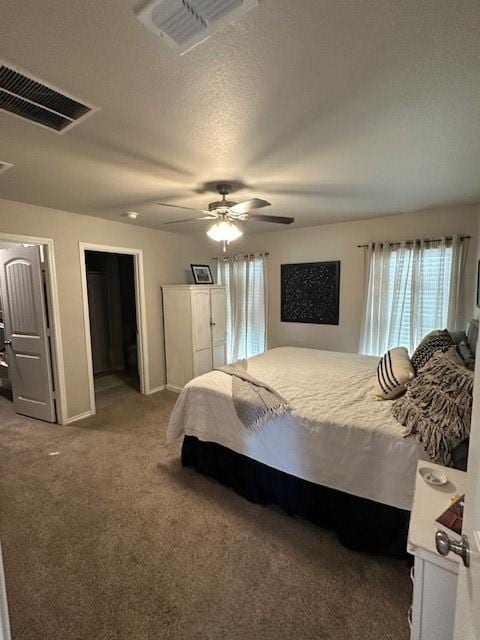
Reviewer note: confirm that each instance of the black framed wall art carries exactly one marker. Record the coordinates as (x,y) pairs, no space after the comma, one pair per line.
(310,292)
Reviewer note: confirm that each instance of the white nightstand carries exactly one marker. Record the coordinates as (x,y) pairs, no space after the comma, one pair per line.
(434,577)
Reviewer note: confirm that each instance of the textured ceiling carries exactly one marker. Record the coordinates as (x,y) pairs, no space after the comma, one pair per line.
(332,110)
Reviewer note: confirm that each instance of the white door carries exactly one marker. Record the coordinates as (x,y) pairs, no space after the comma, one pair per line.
(218,301)
(201,332)
(26,332)
(467,614)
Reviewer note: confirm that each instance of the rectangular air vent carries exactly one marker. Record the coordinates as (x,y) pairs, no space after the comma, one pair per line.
(5,166)
(186,23)
(33,100)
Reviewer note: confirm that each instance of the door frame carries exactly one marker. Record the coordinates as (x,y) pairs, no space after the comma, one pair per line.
(140,313)
(4,620)
(58,368)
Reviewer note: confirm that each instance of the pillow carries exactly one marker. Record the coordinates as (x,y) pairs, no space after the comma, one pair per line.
(432,342)
(472,335)
(466,354)
(437,406)
(394,371)
(458,336)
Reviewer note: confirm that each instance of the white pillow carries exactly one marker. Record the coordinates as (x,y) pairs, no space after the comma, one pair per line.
(394,371)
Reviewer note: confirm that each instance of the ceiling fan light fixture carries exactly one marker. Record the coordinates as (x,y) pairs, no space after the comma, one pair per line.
(224,231)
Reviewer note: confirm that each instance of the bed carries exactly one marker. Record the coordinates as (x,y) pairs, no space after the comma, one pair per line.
(338,457)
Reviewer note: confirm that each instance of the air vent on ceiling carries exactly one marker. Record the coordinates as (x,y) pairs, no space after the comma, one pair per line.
(186,23)
(5,166)
(33,100)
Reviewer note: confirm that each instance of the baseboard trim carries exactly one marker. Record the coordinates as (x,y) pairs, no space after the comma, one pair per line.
(80,416)
(170,387)
(162,387)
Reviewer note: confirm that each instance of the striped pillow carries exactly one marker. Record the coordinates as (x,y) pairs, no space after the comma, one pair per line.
(394,371)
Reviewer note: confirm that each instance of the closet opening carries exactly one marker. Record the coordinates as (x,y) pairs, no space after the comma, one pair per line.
(114,320)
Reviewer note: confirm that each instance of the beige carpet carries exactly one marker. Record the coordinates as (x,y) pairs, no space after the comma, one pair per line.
(112,539)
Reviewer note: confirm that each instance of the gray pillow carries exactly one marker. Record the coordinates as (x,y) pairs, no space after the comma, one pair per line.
(437,406)
(466,354)
(472,335)
(458,336)
(439,340)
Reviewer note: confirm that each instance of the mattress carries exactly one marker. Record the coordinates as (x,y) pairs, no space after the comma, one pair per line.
(336,435)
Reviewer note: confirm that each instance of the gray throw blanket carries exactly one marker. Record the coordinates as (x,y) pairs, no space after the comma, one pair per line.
(437,406)
(255,402)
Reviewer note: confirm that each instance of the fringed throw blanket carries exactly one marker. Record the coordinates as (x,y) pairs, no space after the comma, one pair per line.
(255,402)
(437,406)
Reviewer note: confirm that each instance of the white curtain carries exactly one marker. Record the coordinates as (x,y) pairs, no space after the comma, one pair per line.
(245,278)
(412,287)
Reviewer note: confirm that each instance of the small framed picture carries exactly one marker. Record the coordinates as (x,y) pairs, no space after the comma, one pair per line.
(201,274)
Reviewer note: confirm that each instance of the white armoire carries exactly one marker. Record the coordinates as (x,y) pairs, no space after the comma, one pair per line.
(194,317)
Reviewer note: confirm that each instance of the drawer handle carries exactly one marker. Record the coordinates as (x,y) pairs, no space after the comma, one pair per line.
(410,617)
(412,574)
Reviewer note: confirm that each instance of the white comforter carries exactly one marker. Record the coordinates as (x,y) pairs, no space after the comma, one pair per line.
(337,434)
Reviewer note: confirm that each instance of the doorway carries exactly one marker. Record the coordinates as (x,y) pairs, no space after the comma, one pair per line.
(113,320)
(113,298)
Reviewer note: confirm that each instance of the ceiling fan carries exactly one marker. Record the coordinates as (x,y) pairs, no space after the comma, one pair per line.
(226,213)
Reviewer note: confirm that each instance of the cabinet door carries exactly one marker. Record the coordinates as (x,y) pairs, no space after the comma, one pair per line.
(219,315)
(434,592)
(219,326)
(201,332)
(219,355)
(202,362)
(201,319)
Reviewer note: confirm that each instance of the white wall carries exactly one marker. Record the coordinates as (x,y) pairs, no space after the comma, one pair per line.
(166,258)
(339,242)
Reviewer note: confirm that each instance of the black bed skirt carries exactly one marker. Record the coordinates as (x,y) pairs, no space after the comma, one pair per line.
(360,524)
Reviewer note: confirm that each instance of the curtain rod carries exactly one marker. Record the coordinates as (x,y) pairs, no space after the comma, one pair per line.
(397,244)
(241,255)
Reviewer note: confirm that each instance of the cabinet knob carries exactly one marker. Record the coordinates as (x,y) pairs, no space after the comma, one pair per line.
(213,324)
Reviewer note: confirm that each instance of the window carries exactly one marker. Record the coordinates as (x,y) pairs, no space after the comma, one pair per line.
(245,279)
(413,288)
(433,312)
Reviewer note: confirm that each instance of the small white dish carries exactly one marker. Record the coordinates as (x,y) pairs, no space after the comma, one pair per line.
(432,476)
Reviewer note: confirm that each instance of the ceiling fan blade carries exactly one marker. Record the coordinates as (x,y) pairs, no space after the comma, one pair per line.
(249,205)
(177,206)
(258,217)
(190,220)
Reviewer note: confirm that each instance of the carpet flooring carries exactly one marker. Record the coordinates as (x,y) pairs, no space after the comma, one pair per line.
(106,537)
